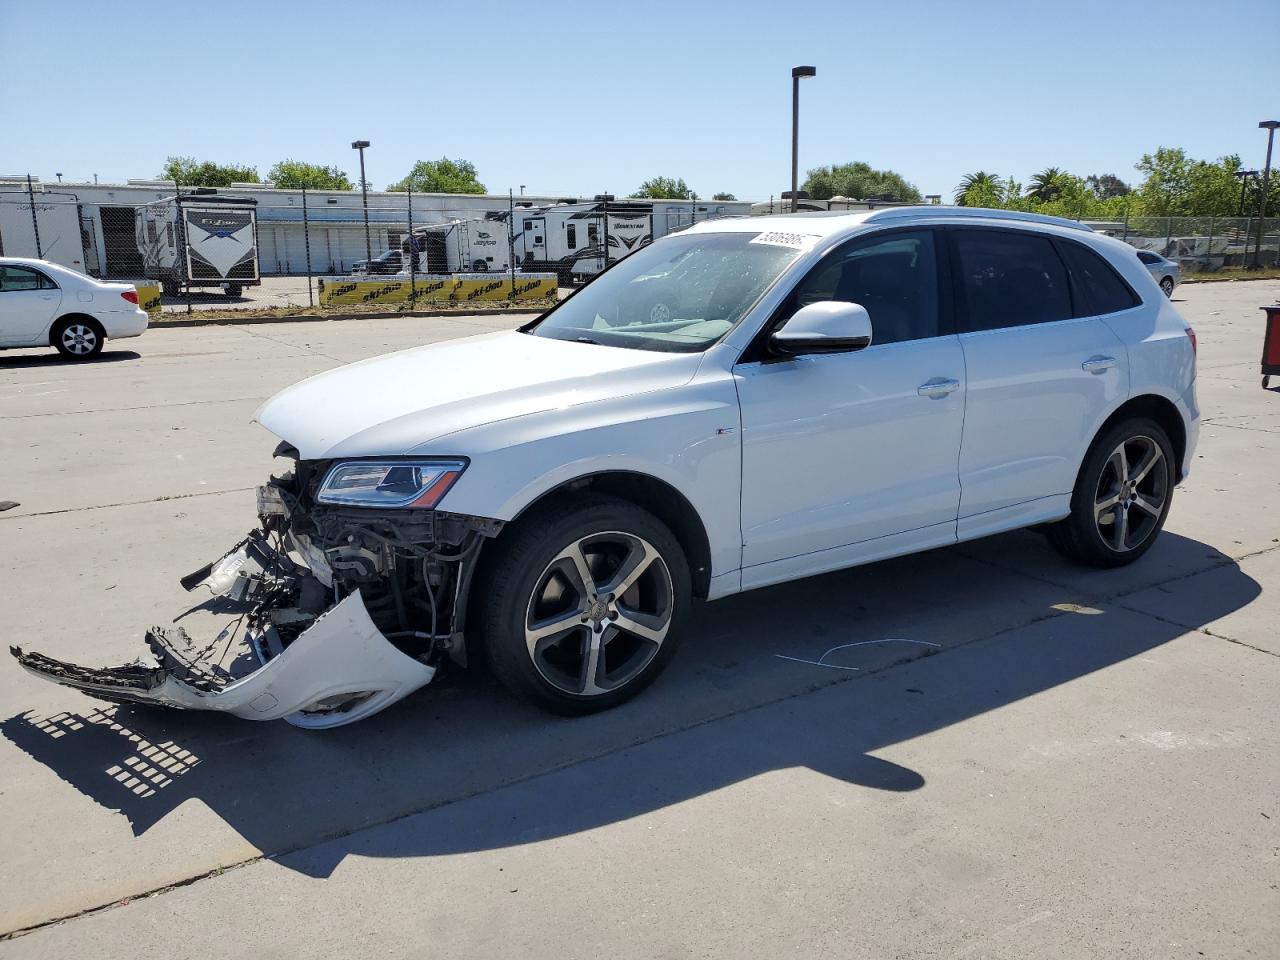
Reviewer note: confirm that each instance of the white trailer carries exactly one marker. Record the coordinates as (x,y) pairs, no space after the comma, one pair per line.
(461,246)
(55,234)
(569,239)
(199,239)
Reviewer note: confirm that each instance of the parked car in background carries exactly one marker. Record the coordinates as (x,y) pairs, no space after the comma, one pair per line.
(388,262)
(818,391)
(1166,272)
(43,304)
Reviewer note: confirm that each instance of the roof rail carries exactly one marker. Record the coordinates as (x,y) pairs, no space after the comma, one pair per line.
(978,213)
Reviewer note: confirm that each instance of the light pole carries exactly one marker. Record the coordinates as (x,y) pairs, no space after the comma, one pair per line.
(1270,127)
(364,191)
(796,74)
(59,176)
(1244,176)
(522,189)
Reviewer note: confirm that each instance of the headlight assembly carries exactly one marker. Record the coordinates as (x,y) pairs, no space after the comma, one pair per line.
(419,484)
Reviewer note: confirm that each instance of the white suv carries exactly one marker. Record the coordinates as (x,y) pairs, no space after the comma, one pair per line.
(743,403)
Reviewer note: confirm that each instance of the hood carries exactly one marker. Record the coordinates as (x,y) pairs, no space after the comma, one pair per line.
(391,405)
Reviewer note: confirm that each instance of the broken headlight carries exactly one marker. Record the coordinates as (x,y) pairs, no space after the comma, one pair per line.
(419,484)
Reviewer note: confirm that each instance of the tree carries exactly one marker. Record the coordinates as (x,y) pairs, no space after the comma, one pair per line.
(859,181)
(189,172)
(723,196)
(1046,185)
(979,190)
(1178,186)
(441,176)
(665,188)
(1106,186)
(295,175)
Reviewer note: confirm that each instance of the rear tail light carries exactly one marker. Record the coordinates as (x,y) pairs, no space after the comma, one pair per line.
(1191,335)
(130,295)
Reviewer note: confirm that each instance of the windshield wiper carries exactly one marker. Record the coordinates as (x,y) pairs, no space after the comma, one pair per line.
(586,340)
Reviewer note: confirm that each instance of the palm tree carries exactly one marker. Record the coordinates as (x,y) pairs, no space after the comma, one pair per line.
(974,180)
(1046,185)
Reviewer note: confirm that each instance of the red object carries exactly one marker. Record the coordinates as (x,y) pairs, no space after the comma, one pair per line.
(1271,344)
(1191,335)
(130,295)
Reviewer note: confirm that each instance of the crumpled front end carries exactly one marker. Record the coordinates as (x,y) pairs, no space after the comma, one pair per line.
(336,612)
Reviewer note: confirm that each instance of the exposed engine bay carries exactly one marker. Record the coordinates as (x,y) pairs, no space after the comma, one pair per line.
(344,610)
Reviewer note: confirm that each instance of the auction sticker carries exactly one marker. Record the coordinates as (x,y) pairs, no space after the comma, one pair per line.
(779,238)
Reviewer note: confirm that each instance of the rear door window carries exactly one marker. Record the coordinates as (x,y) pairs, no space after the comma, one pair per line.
(1098,288)
(1009,279)
(20,278)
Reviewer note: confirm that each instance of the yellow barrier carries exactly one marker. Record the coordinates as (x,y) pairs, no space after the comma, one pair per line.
(433,288)
(148,297)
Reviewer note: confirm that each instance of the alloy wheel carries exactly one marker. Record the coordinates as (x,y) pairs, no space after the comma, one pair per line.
(599,613)
(79,339)
(1131,494)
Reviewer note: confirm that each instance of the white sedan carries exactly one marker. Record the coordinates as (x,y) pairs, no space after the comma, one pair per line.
(43,304)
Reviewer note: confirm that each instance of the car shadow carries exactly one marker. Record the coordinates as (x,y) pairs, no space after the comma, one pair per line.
(202,296)
(752,665)
(55,359)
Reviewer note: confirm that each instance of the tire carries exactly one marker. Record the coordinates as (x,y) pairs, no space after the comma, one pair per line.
(481,266)
(1113,523)
(78,338)
(540,630)
(170,288)
(1167,286)
(234,290)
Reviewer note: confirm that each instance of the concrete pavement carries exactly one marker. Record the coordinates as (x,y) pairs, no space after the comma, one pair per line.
(1029,759)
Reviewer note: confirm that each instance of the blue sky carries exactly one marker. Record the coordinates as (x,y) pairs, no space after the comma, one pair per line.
(567,97)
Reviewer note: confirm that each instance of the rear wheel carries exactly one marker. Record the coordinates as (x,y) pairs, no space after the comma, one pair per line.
(234,290)
(78,338)
(1167,286)
(581,608)
(1121,498)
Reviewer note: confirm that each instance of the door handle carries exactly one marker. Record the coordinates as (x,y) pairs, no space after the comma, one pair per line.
(1098,364)
(938,387)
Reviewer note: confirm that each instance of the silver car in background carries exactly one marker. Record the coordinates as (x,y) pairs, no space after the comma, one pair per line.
(1167,272)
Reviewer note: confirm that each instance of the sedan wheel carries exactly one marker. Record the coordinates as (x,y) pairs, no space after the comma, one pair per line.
(578,607)
(1167,286)
(78,339)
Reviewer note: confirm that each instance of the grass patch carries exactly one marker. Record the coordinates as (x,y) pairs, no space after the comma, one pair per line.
(1236,273)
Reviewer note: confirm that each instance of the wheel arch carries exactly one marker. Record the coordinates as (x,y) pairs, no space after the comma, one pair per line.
(68,317)
(1157,408)
(649,493)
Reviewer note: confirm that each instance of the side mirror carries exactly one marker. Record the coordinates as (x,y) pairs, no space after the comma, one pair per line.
(830,326)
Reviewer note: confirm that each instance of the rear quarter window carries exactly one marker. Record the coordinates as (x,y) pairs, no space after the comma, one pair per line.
(1097,288)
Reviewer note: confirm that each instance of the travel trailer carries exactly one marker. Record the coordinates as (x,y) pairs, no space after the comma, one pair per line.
(199,239)
(54,234)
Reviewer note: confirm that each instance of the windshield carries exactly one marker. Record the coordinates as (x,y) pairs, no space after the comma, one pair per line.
(681,294)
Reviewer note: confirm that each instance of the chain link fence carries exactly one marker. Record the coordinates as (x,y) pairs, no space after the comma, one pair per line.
(246,247)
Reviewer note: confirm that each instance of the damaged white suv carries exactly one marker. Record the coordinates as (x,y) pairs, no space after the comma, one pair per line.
(743,403)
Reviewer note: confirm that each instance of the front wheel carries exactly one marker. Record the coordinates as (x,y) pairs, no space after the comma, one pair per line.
(581,607)
(1122,496)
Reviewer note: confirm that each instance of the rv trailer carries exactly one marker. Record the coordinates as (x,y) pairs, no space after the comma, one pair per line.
(56,223)
(199,239)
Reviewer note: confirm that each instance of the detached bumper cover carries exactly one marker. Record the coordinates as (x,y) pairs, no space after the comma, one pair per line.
(337,671)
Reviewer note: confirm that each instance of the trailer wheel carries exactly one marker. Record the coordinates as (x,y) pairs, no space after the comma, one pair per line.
(481,266)
(170,288)
(234,289)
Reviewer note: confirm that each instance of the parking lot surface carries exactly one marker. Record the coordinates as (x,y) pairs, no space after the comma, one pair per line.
(1020,758)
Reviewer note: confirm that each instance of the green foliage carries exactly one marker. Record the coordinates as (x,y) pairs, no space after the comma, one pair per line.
(296,174)
(723,196)
(980,189)
(188,172)
(1106,186)
(1177,186)
(665,188)
(858,181)
(1047,185)
(441,176)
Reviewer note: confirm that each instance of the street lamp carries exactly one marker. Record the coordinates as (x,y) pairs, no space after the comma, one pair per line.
(1244,176)
(522,189)
(59,176)
(1270,127)
(796,74)
(364,191)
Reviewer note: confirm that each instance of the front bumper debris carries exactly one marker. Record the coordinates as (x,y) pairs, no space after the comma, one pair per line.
(339,670)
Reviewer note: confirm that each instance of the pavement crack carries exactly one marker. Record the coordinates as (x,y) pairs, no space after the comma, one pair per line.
(145,406)
(128,503)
